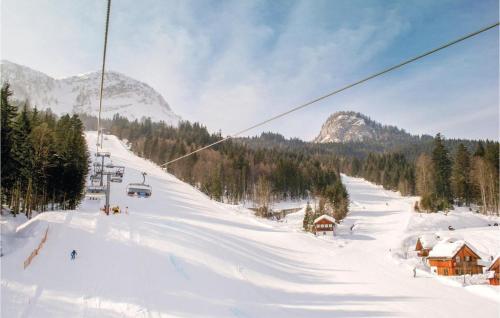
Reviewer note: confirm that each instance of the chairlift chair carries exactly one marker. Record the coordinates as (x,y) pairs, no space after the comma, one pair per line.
(97,168)
(116,178)
(140,190)
(106,154)
(117,174)
(95,192)
(95,177)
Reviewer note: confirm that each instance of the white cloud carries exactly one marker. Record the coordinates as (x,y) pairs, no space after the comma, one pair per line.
(231,64)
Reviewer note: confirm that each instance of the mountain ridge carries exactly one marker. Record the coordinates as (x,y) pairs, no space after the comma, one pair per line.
(79,93)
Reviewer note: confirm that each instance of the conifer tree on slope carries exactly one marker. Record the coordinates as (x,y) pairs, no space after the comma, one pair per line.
(73,159)
(22,154)
(460,176)
(8,113)
(442,170)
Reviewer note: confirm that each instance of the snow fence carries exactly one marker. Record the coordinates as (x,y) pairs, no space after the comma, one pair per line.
(35,252)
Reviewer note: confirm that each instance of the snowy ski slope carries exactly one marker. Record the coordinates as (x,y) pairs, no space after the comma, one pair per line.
(179,254)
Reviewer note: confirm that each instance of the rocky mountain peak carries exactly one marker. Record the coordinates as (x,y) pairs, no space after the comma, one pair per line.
(349,126)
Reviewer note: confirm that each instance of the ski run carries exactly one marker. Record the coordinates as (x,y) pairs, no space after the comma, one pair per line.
(179,254)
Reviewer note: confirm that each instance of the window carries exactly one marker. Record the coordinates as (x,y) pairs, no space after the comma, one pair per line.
(457,259)
(467,258)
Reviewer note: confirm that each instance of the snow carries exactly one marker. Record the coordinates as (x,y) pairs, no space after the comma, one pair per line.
(428,240)
(179,254)
(281,204)
(324,217)
(447,249)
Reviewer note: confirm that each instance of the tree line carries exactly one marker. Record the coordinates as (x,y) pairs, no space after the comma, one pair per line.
(462,178)
(270,167)
(391,170)
(232,171)
(442,171)
(440,177)
(44,158)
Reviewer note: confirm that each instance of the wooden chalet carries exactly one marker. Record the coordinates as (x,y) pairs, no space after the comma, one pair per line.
(494,271)
(324,224)
(452,258)
(424,245)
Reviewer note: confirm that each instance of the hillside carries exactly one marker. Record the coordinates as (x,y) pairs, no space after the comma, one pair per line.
(179,254)
(80,94)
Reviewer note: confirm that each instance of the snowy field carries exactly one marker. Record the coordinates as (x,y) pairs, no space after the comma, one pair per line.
(179,254)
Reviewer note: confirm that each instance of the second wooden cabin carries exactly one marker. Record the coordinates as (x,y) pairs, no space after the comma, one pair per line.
(425,243)
(494,271)
(451,258)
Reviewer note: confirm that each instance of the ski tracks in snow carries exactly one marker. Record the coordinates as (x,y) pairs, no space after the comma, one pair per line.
(240,270)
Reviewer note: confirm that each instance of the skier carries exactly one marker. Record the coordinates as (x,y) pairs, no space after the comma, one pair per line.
(126,210)
(414,272)
(73,254)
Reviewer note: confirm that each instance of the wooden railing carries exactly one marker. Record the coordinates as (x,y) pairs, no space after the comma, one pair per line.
(27,262)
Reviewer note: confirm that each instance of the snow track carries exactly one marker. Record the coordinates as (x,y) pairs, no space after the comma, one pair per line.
(178,254)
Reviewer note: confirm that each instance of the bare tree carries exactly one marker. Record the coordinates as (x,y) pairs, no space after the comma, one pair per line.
(263,196)
(485,180)
(424,174)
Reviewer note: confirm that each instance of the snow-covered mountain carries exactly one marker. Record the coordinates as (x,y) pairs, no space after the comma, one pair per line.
(349,126)
(80,94)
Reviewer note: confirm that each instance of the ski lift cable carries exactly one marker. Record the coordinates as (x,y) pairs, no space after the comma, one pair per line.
(294,109)
(102,72)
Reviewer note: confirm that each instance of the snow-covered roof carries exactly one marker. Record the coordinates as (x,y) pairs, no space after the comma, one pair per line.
(449,248)
(325,217)
(493,261)
(428,240)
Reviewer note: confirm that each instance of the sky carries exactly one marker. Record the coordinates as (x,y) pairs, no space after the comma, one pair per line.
(230,64)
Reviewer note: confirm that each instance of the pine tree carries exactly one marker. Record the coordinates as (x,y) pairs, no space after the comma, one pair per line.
(42,139)
(22,151)
(8,113)
(460,178)
(479,150)
(442,173)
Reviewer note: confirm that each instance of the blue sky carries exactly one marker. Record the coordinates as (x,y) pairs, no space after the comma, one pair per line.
(229,64)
